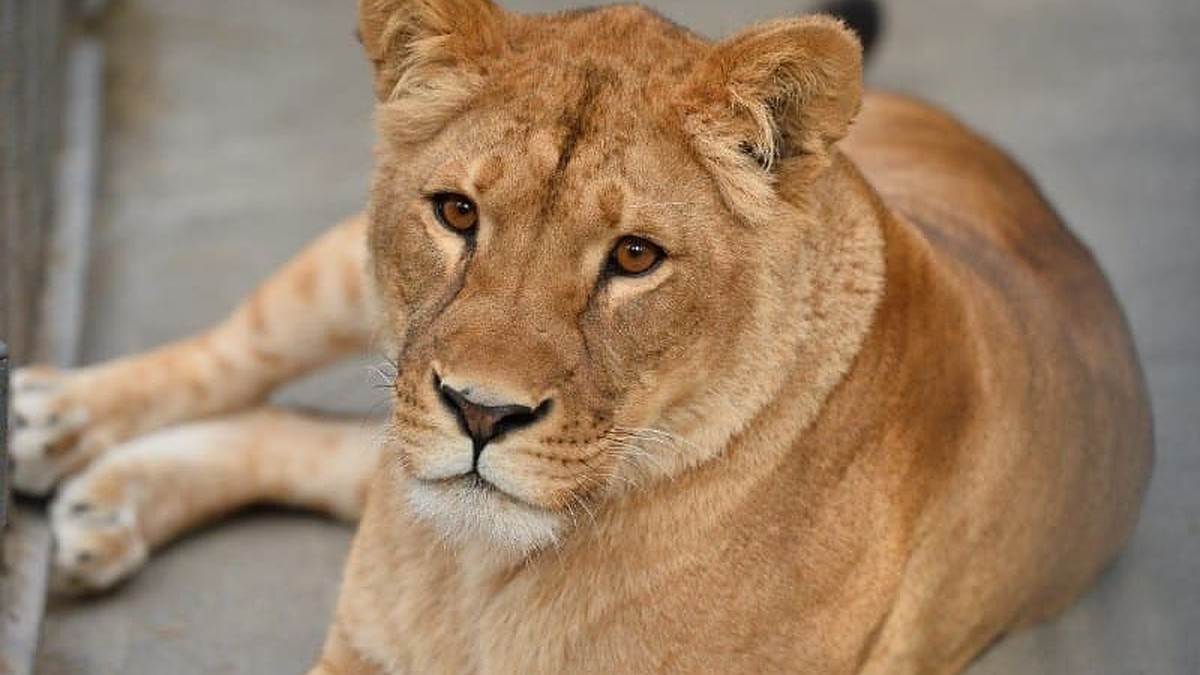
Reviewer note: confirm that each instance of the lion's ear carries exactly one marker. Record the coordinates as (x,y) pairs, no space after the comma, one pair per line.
(780,89)
(412,41)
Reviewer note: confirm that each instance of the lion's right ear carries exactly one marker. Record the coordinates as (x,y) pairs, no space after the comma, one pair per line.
(413,42)
(783,90)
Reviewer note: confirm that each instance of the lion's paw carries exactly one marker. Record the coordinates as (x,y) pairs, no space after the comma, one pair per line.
(47,439)
(97,542)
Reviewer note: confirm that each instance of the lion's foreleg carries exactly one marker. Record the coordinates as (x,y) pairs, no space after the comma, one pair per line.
(152,489)
(316,309)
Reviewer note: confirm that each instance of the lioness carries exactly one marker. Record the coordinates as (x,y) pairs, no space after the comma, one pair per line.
(688,377)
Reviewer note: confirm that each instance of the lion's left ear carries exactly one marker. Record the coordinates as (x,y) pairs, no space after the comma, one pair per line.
(779,89)
(411,42)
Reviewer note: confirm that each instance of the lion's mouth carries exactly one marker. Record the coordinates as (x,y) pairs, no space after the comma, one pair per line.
(475,483)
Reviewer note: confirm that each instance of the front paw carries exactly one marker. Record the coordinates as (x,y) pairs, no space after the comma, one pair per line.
(48,426)
(97,542)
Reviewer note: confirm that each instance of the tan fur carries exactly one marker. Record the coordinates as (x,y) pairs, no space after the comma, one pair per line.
(875,409)
(881,401)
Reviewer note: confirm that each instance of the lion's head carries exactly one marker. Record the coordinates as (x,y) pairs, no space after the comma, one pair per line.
(593,236)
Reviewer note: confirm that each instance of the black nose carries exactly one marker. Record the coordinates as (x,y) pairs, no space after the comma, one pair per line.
(486,423)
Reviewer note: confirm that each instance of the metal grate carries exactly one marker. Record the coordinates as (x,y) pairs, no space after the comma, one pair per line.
(32,38)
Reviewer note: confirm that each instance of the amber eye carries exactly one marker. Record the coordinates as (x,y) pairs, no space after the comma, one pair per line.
(634,256)
(456,212)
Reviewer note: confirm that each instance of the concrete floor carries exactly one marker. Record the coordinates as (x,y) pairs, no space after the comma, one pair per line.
(239,129)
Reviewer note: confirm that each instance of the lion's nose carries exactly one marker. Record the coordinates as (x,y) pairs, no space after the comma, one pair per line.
(486,423)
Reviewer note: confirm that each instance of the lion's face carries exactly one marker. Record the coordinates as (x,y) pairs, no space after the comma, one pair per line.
(579,305)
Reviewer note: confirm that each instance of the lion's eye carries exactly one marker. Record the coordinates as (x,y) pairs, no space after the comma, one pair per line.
(456,212)
(634,256)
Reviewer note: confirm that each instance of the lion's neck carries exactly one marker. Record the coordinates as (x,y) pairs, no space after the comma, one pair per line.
(845,268)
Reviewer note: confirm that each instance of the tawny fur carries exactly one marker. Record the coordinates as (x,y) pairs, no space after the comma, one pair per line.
(875,409)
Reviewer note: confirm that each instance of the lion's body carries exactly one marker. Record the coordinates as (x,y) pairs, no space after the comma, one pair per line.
(1026,354)
(897,534)
(872,407)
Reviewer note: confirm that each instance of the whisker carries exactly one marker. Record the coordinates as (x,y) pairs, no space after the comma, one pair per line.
(581,503)
(632,451)
(652,205)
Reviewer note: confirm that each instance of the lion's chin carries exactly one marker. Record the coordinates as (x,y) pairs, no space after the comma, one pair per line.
(467,509)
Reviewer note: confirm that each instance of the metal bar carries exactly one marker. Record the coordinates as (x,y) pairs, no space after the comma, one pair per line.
(4,494)
(24,547)
(31,38)
(60,338)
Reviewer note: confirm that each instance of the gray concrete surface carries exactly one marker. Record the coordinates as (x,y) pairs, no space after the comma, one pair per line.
(22,590)
(239,129)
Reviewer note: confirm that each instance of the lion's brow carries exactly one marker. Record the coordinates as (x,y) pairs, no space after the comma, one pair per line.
(577,121)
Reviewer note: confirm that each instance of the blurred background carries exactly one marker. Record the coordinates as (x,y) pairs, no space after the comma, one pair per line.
(234,131)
